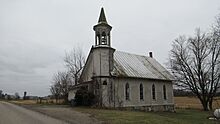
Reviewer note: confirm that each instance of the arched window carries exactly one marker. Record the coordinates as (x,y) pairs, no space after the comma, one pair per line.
(98,39)
(153,92)
(127,91)
(103,38)
(141,92)
(164,92)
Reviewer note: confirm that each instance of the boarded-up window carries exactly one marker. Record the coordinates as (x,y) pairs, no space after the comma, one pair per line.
(141,92)
(153,92)
(127,91)
(164,92)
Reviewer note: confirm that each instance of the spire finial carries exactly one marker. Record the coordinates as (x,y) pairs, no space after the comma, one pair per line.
(102,17)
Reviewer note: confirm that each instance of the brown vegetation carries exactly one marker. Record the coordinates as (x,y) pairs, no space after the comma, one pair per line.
(38,101)
(193,103)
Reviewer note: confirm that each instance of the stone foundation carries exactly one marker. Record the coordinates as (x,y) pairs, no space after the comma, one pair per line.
(168,108)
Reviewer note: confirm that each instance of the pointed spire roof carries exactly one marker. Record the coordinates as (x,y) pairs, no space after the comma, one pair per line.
(102,17)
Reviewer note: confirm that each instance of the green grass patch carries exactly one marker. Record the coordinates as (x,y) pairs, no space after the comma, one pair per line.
(134,117)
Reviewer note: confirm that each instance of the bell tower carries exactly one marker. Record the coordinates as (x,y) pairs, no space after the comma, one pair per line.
(102,31)
(103,58)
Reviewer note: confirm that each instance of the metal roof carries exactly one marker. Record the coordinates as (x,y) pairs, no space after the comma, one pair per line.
(131,65)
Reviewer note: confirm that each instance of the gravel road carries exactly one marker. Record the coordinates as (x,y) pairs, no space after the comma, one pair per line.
(13,114)
(65,113)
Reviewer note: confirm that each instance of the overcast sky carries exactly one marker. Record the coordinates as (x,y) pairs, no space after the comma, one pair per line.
(34,34)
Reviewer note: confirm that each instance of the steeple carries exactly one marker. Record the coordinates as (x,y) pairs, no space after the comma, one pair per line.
(102,31)
(102,17)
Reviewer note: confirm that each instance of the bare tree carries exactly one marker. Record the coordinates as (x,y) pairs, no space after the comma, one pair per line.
(17,95)
(74,62)
(1,94)
(215,60)
(61,85)
(25,95)
(194,61)
(62,81)
(65,84)
(55,91)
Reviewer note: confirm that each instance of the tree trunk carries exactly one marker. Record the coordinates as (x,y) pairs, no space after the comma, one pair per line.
(56,99)
(66,100)
(204,105)
(210,103)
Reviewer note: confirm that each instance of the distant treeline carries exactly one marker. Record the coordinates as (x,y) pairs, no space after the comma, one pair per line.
(180,92)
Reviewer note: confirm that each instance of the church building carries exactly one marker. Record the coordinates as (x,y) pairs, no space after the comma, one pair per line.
(125,80)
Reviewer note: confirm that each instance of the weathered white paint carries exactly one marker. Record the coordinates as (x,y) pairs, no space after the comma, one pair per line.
(108,71)
(71,94)
(134,85)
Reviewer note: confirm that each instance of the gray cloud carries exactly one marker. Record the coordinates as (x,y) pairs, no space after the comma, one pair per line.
(34,34)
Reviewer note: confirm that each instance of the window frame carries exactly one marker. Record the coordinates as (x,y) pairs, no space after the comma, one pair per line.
(164,92)
(153,92)
(127,91)
(141,92)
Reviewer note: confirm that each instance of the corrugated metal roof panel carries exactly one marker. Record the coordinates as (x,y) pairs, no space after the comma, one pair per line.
(131,65)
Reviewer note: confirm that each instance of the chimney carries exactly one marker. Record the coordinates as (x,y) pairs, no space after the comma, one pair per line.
(151,54)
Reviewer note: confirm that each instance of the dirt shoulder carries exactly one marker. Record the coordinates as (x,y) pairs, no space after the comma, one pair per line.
(64,113)
(14,114)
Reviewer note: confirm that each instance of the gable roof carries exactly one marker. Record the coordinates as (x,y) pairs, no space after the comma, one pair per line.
(137,66)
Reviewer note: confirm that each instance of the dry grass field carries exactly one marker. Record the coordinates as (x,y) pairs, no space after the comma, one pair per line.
(32,102)
(180,102)
(188,112)
(193,103)
(24,102)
